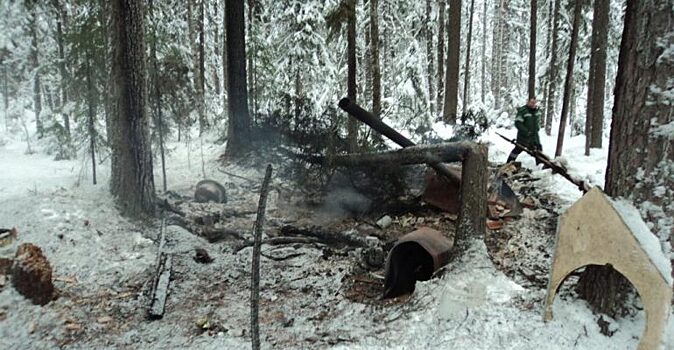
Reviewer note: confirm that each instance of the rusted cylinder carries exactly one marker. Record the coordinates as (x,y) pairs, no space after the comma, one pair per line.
(415,257)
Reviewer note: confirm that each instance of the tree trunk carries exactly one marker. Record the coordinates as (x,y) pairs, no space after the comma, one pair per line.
(453,50)
(500,41)
(495,47)
(225,78)
(216,46)
(201,82)
(251,57)
(190,33)
(131,180)
(548,44)
(192,40)
(532,48)
(352,126)
(5,95)
(466,81)
(239,120)
(367,62)
(429,54)
(298,92)
(522,34)
(376,72)
(157,93)
(594,123)
(384,38)
(590,87)
(91,102)
(194,61)
(552,93)
(62,71)
(441,56)
(572,108)
(35,64)
(568,84)
(505,43)
(483,86)
(104,19)
(640,145)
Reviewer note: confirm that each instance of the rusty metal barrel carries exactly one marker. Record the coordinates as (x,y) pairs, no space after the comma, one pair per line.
(415,257)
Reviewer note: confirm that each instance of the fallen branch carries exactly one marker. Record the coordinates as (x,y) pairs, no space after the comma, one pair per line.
(166,205)
(255,276)
(279,241)
(281,258)
(346,238)
(161,290)
(161,279)
(236,176)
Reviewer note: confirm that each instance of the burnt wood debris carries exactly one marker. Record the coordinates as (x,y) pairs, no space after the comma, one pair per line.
(473,178)
(162,278)
(413,257)
(404,269)
(255,275)
(468,184)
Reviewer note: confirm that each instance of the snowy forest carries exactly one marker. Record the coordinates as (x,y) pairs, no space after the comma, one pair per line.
(336,174)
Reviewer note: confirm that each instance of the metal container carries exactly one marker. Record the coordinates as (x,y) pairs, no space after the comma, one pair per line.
(415,257)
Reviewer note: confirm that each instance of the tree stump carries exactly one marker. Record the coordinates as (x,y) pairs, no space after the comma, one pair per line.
(473,210)
(31,274)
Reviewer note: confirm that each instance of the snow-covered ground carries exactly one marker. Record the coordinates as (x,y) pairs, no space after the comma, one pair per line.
(102,264)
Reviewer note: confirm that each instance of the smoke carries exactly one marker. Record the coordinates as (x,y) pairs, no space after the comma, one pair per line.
(346,201)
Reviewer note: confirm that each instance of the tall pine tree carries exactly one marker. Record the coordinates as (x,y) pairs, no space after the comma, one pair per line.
(131,179)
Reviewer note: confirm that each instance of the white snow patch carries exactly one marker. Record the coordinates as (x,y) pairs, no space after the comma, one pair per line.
(665,130)
(650,244)
(444,130)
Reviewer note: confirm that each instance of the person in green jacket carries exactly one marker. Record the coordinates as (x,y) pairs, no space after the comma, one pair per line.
(527,124)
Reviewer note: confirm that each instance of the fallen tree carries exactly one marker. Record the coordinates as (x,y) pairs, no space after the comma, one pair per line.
(375,123)
(439,153)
